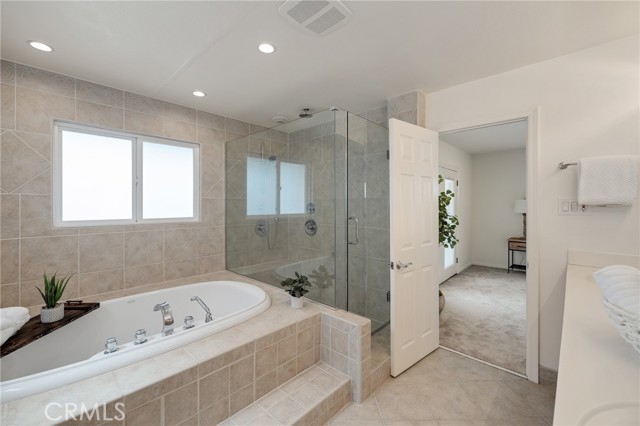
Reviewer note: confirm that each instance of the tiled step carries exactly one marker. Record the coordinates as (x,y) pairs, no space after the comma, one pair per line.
(311,398)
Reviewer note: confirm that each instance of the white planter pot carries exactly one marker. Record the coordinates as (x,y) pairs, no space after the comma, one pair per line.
(48,315)
(297,302)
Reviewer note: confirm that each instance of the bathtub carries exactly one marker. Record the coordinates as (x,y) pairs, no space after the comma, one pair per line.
(76,351)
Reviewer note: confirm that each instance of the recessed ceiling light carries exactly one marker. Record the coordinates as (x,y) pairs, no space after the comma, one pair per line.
(266,48)
(40,46)
(199,94)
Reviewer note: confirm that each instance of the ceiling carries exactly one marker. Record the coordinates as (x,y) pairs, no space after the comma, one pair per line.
(168,49)
(487,139)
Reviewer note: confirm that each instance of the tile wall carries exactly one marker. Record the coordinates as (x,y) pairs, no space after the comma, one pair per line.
(103,259)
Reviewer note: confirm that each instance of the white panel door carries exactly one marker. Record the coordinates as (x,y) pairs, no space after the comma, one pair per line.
(413,180)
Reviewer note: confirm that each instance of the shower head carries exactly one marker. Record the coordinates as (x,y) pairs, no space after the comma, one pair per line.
(306,113)
(273,158)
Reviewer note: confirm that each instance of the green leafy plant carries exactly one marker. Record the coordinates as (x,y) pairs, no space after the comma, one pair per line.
(53,289)
(296,287)
(447,222)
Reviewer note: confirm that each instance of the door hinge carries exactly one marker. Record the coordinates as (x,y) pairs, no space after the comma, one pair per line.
(388,295)
(457,183)
(456,260)
(387,154)
(391,265)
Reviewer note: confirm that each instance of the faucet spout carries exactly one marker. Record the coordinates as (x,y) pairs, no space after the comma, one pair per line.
(167,317)
(209,317)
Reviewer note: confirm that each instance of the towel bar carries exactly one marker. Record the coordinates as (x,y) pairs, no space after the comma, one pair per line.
(563,166)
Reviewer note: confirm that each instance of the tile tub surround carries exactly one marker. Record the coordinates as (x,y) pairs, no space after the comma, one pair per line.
(129,256)
(217,376)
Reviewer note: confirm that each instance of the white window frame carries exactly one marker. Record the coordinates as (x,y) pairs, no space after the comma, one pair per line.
(136,165)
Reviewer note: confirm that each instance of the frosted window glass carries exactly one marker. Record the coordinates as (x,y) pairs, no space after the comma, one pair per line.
(261,186)
(292,185)
(96,177)
(167,181)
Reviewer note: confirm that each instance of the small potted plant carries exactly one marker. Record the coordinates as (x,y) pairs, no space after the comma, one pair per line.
(53,290)
(297,288)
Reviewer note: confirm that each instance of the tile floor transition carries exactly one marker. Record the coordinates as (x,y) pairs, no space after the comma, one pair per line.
(446,389)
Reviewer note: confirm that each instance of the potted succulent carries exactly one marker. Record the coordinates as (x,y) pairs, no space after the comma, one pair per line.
(447,226)
(297,288)
(53,290)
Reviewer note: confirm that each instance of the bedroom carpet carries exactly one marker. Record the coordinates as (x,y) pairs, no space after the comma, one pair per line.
(485,316)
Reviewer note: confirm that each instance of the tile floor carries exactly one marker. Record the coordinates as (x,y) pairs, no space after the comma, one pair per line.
(447,389)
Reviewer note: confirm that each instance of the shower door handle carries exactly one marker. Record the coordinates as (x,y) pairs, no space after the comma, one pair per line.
(355,219)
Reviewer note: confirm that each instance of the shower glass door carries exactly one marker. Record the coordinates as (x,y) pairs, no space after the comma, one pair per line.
(367,219)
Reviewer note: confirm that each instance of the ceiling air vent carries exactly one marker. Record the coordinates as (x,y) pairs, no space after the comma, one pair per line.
(317,17)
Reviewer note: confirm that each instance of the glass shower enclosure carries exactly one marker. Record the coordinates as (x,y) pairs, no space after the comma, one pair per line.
(312,196)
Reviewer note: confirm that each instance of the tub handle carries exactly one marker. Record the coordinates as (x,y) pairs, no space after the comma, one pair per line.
(111,345)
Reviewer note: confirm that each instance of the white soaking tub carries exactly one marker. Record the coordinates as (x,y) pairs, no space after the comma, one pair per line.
(76,351)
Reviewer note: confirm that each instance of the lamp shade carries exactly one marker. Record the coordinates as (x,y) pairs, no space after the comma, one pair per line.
(520,206)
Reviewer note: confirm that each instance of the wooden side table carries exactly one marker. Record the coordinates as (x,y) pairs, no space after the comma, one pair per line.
(516,244)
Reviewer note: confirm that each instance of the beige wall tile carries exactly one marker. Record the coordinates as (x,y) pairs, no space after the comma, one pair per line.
(8,106)
(266,360)
(36,110)
(45,81)
(19,162)
(9,216)
(142,248)
(100,282)
(99,94)
(236,126)
(209,264)
(180,244)
(180,404)
(99,252)
(241,399)
(173,112)
(305,360)
(99,115)
(304,340)
(211,137)
(10,261)
(39,185)
(216,413)
(9,295)
(266,383)
(35,217)
(286,371)
(136,276)
(180,269)
(48,254)
(142,104)
(7,72)
(210,120)
(339,341)
(147,415)
(241,373)
(180,130)
(286,349)
(403,103)
(40,142)
(211,241)
(214,387)
(143,123)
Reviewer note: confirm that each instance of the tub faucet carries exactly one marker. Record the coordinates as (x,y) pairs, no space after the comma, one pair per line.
(208,318)
(167,317)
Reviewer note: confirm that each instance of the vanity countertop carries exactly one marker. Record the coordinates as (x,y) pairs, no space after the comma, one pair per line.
(599,372)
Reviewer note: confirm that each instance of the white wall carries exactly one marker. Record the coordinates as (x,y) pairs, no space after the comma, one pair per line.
(589,105)
(456,159)
(498,180)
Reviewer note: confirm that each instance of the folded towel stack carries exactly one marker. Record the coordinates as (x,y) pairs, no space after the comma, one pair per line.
(12,320)
(611,180)
(620,285)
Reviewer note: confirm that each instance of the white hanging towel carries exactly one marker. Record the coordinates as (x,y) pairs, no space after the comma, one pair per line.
(608,180)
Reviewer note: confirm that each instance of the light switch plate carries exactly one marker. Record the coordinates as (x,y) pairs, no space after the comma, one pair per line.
(570,207)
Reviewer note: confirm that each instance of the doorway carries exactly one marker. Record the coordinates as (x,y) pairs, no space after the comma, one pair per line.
(483,301)
(448,258)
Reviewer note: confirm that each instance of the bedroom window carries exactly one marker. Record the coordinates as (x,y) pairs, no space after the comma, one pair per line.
(103,177)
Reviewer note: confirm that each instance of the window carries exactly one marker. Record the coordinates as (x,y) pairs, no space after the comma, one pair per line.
(265,177)
(104,177)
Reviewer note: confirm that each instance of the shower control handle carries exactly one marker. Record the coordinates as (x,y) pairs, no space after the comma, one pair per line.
(355,219)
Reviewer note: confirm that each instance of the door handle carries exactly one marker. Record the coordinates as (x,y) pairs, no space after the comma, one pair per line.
(400,265)
(355,219)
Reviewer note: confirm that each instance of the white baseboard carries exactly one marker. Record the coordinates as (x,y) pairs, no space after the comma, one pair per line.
(489,265)
(461,268)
